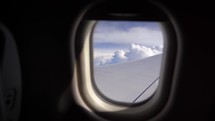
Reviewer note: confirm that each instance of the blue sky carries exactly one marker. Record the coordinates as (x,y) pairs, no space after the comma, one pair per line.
(123,37)
(125,25)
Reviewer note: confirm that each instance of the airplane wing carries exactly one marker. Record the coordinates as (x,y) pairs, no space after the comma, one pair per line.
(129,82)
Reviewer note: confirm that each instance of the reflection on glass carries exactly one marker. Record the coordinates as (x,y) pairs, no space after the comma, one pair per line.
(127,59)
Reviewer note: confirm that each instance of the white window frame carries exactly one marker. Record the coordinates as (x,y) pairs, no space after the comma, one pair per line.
(84,90)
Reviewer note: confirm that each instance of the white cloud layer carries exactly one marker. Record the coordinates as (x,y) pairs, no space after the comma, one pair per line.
(133,53)
(151,37)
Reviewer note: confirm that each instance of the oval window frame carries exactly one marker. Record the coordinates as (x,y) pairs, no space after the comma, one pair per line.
(89,100)
(103,96)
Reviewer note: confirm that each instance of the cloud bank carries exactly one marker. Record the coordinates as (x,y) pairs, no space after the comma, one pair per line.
(135,52)
(150,36)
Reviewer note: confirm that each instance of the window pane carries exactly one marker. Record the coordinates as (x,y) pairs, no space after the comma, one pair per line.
(127,59)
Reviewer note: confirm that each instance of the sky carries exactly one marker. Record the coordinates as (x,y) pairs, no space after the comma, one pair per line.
(123,41)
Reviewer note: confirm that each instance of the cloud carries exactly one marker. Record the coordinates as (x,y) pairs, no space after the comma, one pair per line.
(102,60)
(150,36)
(119,57)
(135,52)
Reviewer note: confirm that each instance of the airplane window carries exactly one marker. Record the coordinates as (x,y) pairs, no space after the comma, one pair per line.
(127,59)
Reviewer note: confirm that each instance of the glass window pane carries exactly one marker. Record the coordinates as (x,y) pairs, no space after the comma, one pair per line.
(127,59)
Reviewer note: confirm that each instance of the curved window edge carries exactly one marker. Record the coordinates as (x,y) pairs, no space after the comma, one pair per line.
(86,96)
